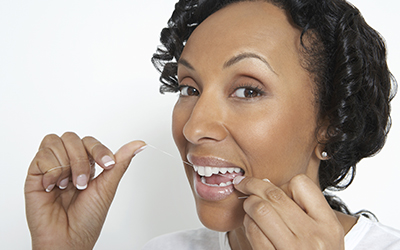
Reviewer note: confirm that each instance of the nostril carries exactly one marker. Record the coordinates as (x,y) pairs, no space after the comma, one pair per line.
(204,131)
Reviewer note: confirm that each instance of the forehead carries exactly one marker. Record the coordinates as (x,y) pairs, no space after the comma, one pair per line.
(258,27)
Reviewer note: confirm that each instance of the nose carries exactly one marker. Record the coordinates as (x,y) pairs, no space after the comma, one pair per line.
(206,121)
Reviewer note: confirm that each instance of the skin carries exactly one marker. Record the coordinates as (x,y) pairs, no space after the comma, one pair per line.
(65,217)
(270,134)
(248,48)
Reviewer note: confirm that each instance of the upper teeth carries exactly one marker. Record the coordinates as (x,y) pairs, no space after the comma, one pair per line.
(208,171)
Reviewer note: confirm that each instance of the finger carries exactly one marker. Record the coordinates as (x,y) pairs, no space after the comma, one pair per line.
(100,153)
(269,221)
(54,143)
(253,186)
(282,208)
(257,239)
(123,158)
(41,170)
(310,198)
(78,160)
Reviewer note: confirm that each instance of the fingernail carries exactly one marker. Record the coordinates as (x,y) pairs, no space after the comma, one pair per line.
(140,150)
(64,183)
(50,187)
(81,182)
(107,161)
(266,180)
(238,179)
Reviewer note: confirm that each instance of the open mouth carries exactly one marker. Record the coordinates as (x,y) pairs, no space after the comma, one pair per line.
(217,177)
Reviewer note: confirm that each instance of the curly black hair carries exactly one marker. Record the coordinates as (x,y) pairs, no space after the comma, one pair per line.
(345,57)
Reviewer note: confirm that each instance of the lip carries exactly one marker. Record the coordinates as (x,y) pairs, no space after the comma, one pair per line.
(210,193)
(210,161)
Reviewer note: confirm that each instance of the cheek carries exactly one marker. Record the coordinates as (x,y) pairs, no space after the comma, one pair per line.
(278,142)
(179,119)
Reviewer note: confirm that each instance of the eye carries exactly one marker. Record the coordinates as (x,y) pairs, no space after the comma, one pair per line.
(248,92)
(188,91)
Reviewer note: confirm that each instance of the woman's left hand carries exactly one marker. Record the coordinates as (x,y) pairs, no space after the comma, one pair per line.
(294,216)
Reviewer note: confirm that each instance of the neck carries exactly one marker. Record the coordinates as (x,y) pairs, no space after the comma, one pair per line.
(238,240)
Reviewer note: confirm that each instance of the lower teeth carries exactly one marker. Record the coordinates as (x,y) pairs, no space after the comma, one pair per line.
(222,184)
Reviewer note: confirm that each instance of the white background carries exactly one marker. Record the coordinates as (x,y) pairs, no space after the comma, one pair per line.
(84,66)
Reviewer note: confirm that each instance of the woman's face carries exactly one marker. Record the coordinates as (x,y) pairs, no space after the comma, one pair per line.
(246,107)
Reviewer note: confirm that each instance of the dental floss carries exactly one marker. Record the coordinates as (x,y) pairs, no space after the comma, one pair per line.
(149,145)
(55,168)
(162,151)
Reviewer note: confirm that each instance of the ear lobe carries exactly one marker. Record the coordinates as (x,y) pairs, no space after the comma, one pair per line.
(320,152)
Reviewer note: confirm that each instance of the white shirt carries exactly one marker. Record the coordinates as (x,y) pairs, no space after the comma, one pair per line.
(365,235)
(371,235)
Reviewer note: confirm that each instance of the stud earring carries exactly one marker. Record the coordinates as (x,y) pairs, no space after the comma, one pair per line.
(324,154)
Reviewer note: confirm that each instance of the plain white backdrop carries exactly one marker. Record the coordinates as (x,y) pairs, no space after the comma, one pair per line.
(84,66)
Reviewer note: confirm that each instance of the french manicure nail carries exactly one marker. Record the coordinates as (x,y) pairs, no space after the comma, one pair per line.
(140,150)
(64,183)
(266,180)
(81,182)
(107,161)
(238,179)
(50,187)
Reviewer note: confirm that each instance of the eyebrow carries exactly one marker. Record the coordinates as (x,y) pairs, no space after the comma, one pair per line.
(185,63)
(233,61)
(247,55)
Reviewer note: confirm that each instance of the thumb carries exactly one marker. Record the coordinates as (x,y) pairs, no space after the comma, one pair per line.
(123,158)
(125,154)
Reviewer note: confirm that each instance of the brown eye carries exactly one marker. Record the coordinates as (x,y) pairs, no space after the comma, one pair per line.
(188,91)
(246,92)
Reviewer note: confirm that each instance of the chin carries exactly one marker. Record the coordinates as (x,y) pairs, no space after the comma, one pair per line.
(222,216)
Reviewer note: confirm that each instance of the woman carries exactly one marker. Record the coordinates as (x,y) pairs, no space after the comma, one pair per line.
(278,101)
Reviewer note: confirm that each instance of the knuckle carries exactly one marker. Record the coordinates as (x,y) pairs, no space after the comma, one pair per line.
(275,195)
(261,209)
(88,138)
(249,183)
(98,148)
(69,135)
(80,160)
(43,154)
(299,179)
(250,226)
(298,182)
(50,140)
(51,137)
(93,146)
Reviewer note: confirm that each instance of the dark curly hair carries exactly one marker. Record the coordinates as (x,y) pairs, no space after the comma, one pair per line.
(347,61)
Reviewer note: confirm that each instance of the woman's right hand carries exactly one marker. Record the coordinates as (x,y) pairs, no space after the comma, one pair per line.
(65,207)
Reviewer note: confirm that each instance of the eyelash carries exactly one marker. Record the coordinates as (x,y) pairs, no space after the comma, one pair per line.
(180,87)
(256,89)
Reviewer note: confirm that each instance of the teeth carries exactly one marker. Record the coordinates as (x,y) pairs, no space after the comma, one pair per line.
(215,170)
(201,171)
(208,171)
(223,184)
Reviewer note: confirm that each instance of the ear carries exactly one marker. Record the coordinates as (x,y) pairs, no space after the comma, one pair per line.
(320,152)
(322,138)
